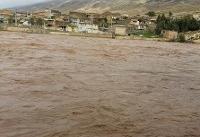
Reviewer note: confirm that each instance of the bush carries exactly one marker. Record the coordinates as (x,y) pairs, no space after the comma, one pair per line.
(181,37)
(151,14)
(1,28)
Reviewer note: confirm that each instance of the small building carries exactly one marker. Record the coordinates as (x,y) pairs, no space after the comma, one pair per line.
(1,19)
(49,22)
(48,13)
(170,35)
(88,28)
(120,30)
(197,16)
(5,15)
(78,17)
(40,14)
(110,17)
(54,13)
(83,22)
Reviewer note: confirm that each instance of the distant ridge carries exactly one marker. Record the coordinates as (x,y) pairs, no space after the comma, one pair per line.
(123,6)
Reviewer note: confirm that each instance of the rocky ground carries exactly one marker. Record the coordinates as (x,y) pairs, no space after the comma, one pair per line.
(62,86)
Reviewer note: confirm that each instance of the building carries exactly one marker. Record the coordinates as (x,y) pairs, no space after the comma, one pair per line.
(41,14)
(120,30)
(1,19)
(83,22)
(48,13)
(6,15)
(88,28)
(196,15)
(54,13)
(170,35)
(78,17)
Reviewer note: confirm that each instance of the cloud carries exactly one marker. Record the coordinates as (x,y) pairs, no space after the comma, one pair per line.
(13,3)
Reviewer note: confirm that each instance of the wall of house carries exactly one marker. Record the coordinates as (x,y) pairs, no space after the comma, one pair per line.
(89,28)
(99,35)
(25,29)
(120,31)
(170,35)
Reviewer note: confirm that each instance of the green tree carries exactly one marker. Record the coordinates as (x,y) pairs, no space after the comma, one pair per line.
(11,20)
(39,22)
(32,21)
(104,23)
(151,13)
(186,23)
(170,14)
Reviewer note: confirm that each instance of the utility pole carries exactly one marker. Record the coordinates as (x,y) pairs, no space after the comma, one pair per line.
(27,13)
(15,17)
(92,19)
(111,23)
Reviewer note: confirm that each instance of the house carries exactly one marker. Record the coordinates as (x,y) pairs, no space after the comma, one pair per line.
(108,14)
(83,22)
(20,14)
(120,30)
(48,13)
(134,22)
(26,24)
(49,22)
(61,22)
(5,15)
(137,24)
(6,12)
(88,28)
(53,13)
(170,35)
(1,19)
(78,17)
(110,17)
(41,14)
(196,15)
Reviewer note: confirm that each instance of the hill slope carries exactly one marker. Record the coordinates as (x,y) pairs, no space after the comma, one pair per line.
(123,6)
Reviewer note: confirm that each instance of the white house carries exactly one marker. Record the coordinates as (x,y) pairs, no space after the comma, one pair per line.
(138,25)
(88,28)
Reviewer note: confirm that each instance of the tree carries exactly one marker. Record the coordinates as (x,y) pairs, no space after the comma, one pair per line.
(32,21)
(39,22)
(170,14)
(186,23)
(11,20)
(36,21)
(104,23)
(181,38)
(151,13)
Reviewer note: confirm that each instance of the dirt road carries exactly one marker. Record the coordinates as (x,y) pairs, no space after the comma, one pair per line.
(62,86)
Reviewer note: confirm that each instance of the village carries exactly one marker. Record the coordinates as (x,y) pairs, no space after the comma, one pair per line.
(106,24)
(54,20)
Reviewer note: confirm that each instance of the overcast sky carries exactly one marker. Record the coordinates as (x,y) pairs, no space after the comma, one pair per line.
(13,3)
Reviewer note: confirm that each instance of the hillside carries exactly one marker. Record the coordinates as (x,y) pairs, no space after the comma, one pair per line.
(123,6)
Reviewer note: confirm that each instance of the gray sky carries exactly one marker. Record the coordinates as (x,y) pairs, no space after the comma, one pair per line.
(13,3)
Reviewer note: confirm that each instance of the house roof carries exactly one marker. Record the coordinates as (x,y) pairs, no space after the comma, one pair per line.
(6,12)
(108,13)
(79,15)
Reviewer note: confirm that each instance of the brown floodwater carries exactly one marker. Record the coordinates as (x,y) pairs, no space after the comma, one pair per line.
(63,86)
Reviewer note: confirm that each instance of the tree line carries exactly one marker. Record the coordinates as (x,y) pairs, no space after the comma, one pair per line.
(183,24)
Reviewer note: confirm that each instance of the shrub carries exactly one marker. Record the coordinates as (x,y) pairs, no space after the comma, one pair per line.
(181,37)
(151,14)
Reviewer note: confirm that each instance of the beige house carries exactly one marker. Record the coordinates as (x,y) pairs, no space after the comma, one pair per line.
(170,35)
(120,30)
